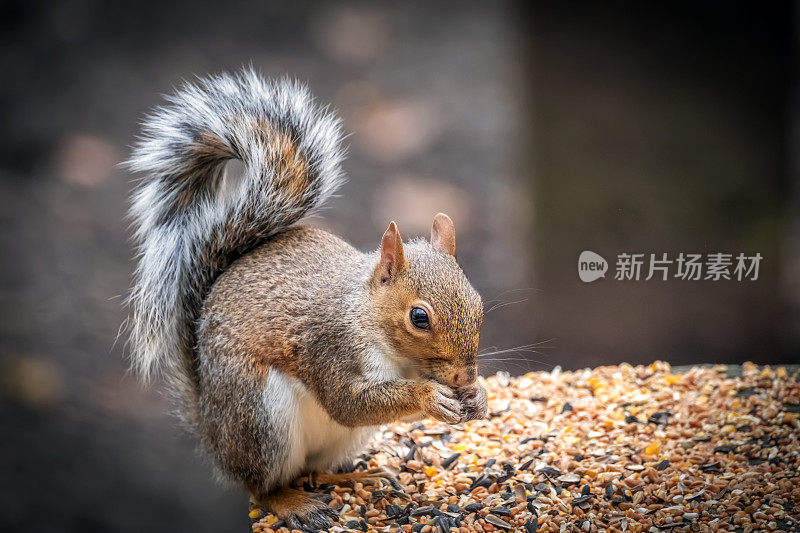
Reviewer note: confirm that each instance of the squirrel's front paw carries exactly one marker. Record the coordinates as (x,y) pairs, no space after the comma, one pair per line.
(440,402)
(474,403)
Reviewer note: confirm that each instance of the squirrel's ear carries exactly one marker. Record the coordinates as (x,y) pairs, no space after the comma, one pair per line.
(443,234)
(392,258)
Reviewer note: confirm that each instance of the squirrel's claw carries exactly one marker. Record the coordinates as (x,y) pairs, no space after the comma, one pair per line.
(298,509)
(393,481)
(474,403)
(321,518)
(442,404)
(373,477)
(313,521)
(381,475)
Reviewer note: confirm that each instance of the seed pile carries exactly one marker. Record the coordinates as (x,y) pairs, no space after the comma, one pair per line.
(613,449)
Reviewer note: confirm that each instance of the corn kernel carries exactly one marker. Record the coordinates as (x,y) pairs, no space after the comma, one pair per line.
(673,378)
(652,448)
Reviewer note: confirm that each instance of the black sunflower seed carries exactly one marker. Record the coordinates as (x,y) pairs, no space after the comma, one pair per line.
(393,511)
(548,471)
(481,481)
(660,418)
(473,507)
(411,452)
(359,525)
(447,463)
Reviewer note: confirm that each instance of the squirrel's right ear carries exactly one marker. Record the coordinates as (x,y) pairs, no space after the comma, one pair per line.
(392,258)
(443,234)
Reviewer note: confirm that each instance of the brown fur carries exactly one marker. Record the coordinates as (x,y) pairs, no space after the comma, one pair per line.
(294,175)
(456,318)
(291,170)
(309,305)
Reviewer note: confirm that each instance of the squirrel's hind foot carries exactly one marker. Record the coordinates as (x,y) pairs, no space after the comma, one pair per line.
(374,477)
(301,510)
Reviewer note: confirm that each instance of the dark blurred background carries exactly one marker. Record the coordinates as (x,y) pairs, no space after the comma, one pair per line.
(544,129)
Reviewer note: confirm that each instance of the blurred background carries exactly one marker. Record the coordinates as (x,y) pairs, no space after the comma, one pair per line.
(543,129)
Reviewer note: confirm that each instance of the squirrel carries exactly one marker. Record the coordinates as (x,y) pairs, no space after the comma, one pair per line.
(284,346)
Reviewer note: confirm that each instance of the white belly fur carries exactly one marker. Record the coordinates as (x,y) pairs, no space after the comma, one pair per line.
(317,442)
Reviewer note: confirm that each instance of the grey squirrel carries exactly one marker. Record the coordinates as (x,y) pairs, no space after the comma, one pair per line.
(285,346)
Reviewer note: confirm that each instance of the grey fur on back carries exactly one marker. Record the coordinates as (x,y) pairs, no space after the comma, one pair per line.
(191,220)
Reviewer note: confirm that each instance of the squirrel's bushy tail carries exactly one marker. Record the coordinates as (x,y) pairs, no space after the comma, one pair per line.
(191,219)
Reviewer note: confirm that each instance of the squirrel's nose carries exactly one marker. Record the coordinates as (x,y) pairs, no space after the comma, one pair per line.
(465,377)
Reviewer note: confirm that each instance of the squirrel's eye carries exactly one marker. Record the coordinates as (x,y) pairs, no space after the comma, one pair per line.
(420,318)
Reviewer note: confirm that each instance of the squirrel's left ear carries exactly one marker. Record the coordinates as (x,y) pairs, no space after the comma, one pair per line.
(443,234)
(392,257)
